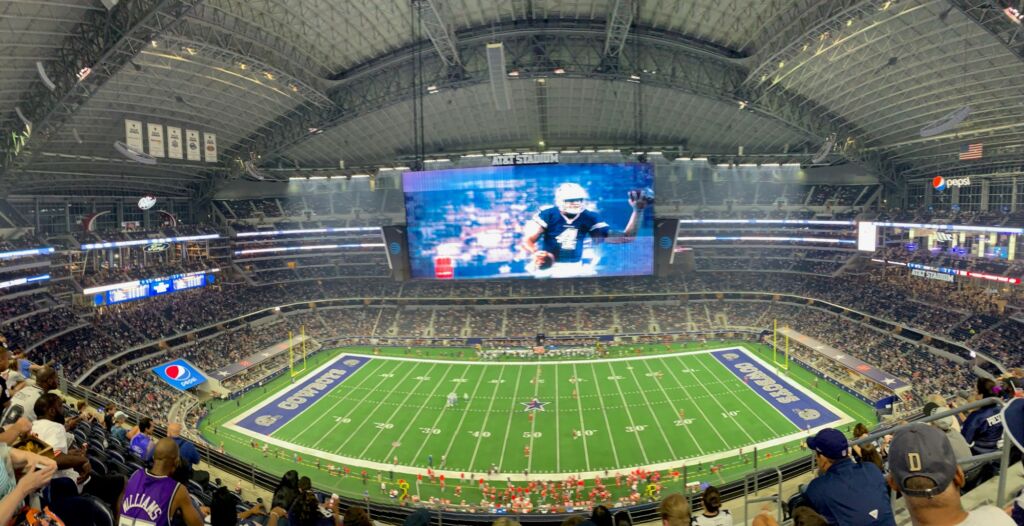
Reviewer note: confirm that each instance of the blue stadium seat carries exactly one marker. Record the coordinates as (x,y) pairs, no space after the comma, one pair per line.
(102,516)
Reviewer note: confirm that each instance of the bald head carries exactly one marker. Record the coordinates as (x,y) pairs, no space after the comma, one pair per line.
(46,378)
(165,456)
(173,429)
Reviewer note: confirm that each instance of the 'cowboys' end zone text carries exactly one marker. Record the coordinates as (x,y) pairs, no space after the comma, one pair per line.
(319,385)
(292,401)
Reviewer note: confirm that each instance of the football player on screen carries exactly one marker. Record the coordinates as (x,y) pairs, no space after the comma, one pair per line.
(554,237)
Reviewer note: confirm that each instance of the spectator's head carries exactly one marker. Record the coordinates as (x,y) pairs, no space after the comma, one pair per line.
(120,417)
(222,508)
(357,516)
(290,480)
(674,511)
(50,407)
(46,378)
(986,387)
(712,500)
(869,453)
(305,484)
(621,518)
(859,430)
(420,517)
(306,509)
(574,520)
(165,457)
(923,467)
(5,358)
(174,430)
(831,446)
(806,516)
(601,516)
(145,425)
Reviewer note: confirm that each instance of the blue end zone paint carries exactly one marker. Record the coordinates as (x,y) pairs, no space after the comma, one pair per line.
(793,403)
(292,402)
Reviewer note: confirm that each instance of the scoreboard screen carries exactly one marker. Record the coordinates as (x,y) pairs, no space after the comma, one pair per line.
(539,221)
(147,288)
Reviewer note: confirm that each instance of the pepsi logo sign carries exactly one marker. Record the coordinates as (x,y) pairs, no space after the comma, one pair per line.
(147,202)
(941,183)
(177,372)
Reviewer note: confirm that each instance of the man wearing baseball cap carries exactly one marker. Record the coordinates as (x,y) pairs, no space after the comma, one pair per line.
(846,493)
(923,467)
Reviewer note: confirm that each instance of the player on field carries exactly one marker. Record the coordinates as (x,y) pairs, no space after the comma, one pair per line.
(526,451)
(554,237)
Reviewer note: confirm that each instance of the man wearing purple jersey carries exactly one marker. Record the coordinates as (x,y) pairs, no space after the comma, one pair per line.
(152,497)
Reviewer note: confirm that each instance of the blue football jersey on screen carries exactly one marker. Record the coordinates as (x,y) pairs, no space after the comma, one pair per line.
(564,238)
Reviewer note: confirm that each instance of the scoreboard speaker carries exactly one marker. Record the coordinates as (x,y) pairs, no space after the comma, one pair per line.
(396,247)
(664,245)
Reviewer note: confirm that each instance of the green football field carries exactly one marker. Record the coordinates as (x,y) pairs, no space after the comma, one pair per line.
(654,407)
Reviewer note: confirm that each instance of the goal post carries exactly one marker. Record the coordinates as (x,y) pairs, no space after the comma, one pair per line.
(784,363)
(295,356)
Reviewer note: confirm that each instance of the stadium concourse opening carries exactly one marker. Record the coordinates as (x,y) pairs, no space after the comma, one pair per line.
(713,410)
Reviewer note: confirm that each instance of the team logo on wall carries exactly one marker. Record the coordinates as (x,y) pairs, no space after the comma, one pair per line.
(731,356)
(267,420)
(808,414)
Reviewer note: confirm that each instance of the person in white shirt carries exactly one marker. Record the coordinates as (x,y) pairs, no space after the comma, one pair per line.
(922,465)
(71,462)
(23,402)
(713,514)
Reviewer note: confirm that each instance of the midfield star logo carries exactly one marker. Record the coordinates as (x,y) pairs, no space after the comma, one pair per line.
(534,405)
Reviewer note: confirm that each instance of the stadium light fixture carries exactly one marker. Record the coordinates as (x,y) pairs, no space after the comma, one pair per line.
(513,73)
(559,71)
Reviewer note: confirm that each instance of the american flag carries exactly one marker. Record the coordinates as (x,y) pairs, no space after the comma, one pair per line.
(970,152)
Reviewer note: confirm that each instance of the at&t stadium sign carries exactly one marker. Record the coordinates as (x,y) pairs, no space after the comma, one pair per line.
(514,159)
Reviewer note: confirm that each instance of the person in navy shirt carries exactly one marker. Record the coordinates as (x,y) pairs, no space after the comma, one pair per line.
(846,493)
(983,428)
(555,237)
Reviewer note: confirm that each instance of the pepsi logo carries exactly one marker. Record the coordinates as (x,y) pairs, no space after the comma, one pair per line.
(177,372)
(941,183)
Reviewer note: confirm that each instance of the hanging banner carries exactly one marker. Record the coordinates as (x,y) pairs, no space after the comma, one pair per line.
(210,147)
(174,142)
(192,145)
(156,140)
(133,135)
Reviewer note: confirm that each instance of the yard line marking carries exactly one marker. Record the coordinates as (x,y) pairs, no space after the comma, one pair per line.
(604,412)
(710,422)
(583,427)
(558,435)
(755,413)
(472,398)
(724,410)
(400,406)
(483,427)
(504,441)
(675,410)
(533,421)
(657,422)
(328,397)
(629,415)
(336,404)
(359,406)
(439,413)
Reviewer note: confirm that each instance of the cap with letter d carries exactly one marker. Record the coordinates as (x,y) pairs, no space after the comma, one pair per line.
(921,450)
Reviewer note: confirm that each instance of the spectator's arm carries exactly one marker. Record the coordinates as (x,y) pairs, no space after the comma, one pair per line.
(131,433)
(31,481)
(276,514)
(189,512)
(13,432)
(970,428)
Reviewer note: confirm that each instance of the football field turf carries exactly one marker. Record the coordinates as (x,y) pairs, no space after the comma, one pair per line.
(697,407)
